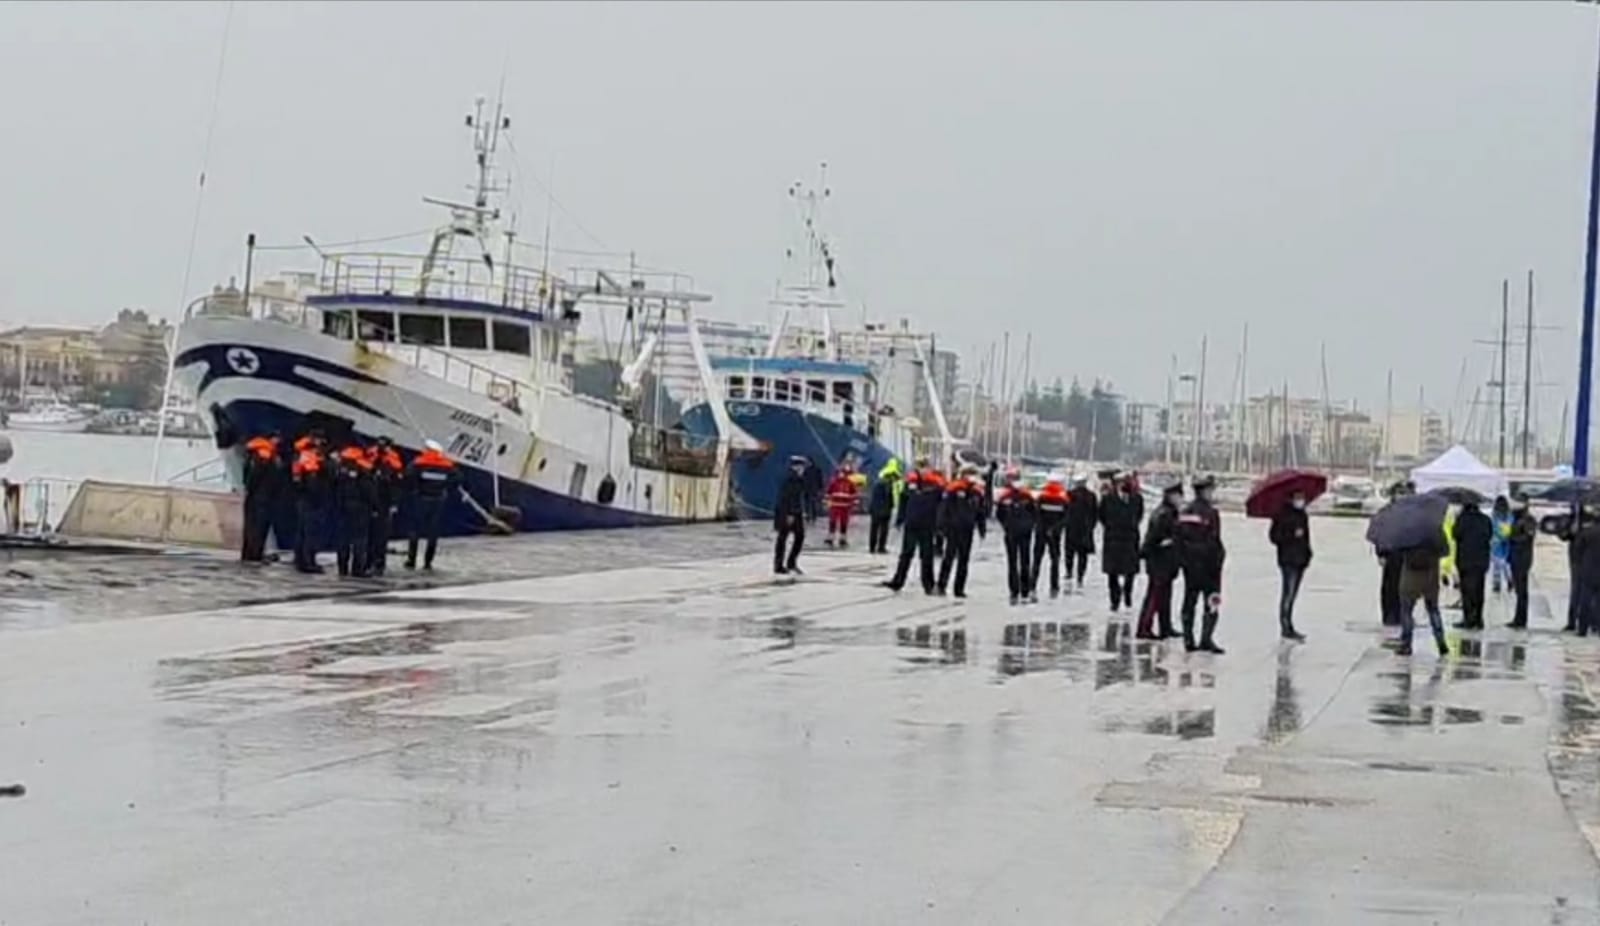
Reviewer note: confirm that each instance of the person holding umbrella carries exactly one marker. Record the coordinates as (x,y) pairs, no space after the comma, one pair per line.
(1410,531)
(1283,497)
(1389,585)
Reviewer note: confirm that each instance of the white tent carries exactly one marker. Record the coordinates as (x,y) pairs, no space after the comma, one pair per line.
(1458,468)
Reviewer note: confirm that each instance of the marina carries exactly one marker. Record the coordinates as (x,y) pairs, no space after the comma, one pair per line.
(1138,475)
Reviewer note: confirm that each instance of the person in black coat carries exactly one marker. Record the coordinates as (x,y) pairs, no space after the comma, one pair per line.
(1524,531)
(1160,553)
(880,510)
(1474,535)
(1291,535)
(1586,558)
(1389,583)
(1201,554)
(812,475)
(789,519)
(1119,554)
(1082,515)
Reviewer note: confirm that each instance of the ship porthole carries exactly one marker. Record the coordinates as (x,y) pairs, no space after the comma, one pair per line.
(607,490)
(502,451)
(542,462)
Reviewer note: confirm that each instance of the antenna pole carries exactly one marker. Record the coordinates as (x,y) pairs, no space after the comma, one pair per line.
(1172,372)
(1005,373)
(1199,407)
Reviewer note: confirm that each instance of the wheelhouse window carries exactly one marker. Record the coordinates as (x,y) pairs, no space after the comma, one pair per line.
(816,392)
(336,322)
(422,329)
(844,393)
(736,387)
(372,325)
(758,388)
(513,338)
(781,391)
(469,333)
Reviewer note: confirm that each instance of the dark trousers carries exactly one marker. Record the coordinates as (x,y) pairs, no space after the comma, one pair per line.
(1588,602)
(1291,576)
(425,517)
(1472,582)
(957,551)
(786,551)
(1519,586)
(352,541)
(1389,590)
(309,515)
(1157,604)
(918,542)
(1079,563)
(1201,590)
(378,530)
(1121,588)
(1047,541)
(878,534)
(1019,556)
(257,522)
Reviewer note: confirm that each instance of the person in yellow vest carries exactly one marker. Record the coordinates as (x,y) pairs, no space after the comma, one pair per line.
(1448,576)
(881,504)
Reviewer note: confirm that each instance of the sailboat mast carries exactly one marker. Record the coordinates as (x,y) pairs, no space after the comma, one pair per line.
(1505,322)
(1005,378)
(1330,454)
(1244,399)
(1527,376)
(1199,406)
(1172,372)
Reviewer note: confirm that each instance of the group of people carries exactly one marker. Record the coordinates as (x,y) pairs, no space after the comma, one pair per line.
(1469,547)
(355,488)
(940,517)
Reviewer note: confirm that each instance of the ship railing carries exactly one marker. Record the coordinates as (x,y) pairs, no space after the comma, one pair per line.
(35,506)
(376,273)
(672,451)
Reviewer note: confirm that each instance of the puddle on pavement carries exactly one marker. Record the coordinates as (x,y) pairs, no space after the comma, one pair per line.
(932,644)
(1283,714)
(1186,725)
(1422,705)
(1044,646)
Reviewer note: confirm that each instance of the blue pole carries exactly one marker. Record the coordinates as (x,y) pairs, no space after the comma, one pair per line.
(1580,449)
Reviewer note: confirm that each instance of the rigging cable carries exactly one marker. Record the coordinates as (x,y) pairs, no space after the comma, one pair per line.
(194,237)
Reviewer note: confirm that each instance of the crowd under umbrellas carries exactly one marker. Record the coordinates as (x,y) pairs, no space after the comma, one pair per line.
(1427,543)
(1049,535)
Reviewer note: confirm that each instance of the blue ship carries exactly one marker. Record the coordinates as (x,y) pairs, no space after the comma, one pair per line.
(792,406)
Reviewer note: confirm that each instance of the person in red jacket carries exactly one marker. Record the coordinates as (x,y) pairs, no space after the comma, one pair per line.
(841,502)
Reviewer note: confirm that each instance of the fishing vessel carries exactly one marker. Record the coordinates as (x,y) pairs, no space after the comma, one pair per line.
(801,398)
(470,349)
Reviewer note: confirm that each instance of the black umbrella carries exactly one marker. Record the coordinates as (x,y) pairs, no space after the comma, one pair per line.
(1459,495)
(1412,521)
(1573,490)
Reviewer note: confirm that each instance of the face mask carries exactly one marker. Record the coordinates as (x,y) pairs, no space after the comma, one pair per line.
(1203,494)
(1298,503)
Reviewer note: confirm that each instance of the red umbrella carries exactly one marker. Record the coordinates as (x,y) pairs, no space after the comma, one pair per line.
(1270,495)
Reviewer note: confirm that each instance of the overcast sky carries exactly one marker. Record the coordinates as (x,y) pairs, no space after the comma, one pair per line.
(1119,178)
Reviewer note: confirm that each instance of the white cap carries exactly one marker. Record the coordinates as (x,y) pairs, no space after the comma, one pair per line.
(1080,476)
(1056,478)
(433,445)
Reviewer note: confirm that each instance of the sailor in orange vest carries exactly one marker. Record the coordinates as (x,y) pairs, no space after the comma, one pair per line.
(841,502)
(352,490)
(1053,504)
(959,512)
(310,475)
(388,479)
(432,477)
(263,483)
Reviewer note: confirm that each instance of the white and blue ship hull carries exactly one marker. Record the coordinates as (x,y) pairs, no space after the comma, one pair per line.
(252,377)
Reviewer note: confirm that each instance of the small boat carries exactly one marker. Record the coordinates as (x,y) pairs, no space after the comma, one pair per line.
(53,415)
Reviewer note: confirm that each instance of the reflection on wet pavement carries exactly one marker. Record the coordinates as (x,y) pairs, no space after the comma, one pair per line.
(699,743)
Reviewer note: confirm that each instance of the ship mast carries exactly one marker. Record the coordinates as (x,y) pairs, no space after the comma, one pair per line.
(818,287)
(472,220)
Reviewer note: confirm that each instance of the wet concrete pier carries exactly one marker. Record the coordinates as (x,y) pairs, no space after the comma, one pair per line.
(695,743)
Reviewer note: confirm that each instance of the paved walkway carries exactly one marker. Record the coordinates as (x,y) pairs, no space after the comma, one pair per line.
(698,744)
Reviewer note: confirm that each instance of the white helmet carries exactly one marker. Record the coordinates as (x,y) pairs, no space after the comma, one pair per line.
(431,444)
(1056,478)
